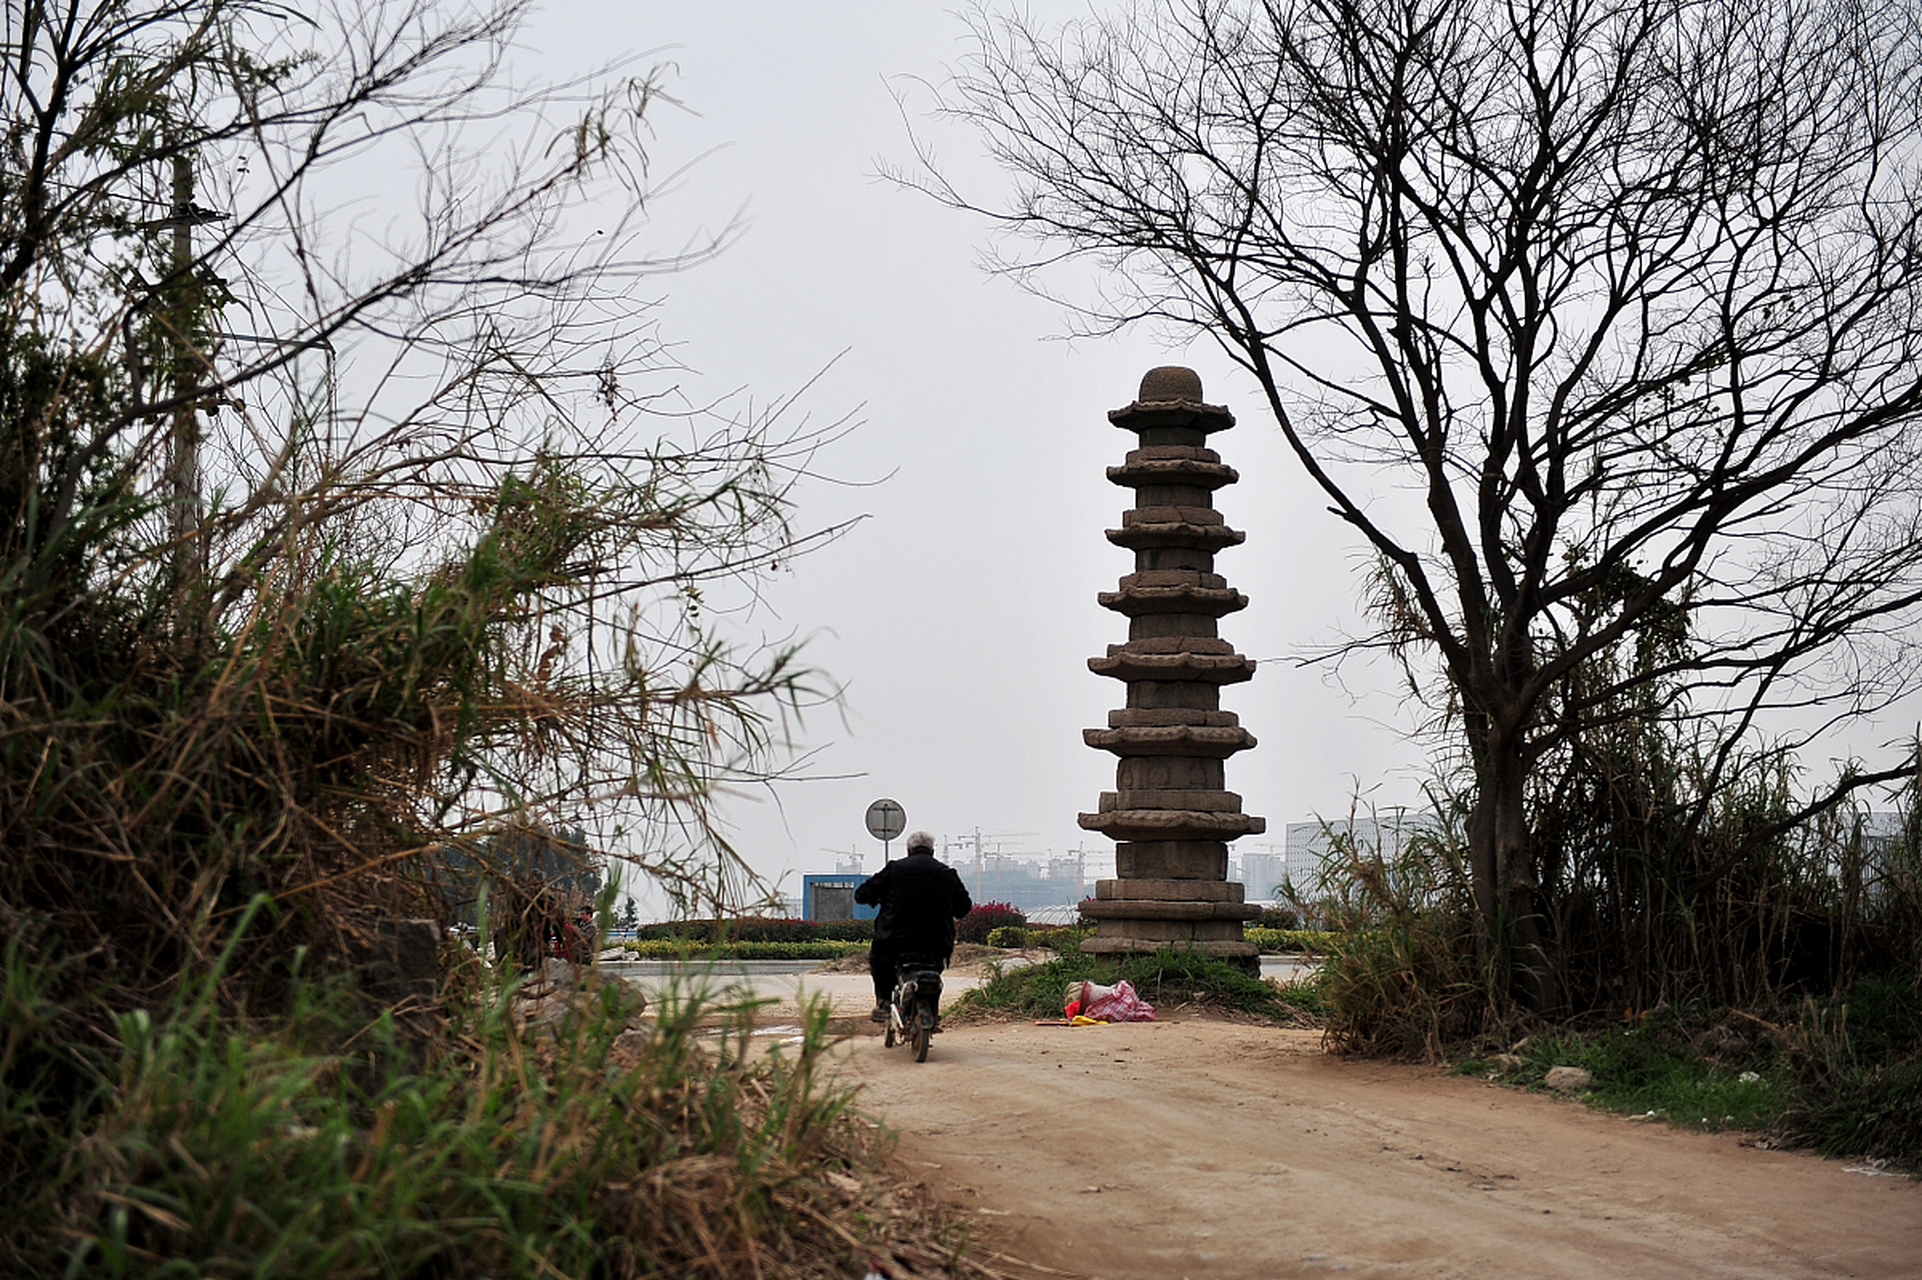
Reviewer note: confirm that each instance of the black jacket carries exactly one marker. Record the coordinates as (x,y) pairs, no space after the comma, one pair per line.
(920,899)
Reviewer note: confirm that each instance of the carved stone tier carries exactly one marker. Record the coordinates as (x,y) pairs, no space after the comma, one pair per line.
(1137,597)
(1161,909)
(1155,535)
(1142,519)
(1170,890)
(1214,669)
(1171,812)
(1174,467)
(1213,741)
(1128,717)
(1193,860)
(1245,954)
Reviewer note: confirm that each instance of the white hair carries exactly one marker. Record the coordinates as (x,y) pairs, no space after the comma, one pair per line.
(921,840)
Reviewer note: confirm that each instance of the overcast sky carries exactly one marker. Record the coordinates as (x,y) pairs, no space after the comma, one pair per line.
(961,612)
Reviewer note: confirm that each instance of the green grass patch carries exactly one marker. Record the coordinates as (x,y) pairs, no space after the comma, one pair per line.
(1697,1076)
(1164,978)
(1842,1076)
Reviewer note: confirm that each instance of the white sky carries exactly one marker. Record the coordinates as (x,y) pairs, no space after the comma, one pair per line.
(961,612)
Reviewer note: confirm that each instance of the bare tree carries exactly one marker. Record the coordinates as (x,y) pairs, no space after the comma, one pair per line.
(348,499)
(1598,320)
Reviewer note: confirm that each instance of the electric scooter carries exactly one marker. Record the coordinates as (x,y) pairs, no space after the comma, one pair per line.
(914,1012)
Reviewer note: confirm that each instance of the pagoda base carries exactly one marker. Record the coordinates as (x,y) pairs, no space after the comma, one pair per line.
(1242,955)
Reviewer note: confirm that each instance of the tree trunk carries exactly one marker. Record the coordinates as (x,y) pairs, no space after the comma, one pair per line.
(1503,871)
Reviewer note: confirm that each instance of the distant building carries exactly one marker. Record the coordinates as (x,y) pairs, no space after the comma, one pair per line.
(1027,884)
(1262,873)
(831,897)
(1308,844)
(1048,884)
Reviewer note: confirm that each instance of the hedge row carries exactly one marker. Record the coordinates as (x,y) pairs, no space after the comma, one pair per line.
(679,948)
(1061,938)
(766,939)
(1007,937)
(759,929)
(1066,939)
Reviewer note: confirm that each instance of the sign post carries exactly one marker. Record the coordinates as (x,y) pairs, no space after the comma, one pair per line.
(886,820)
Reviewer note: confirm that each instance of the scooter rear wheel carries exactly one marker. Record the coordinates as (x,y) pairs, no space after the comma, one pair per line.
(923,1033)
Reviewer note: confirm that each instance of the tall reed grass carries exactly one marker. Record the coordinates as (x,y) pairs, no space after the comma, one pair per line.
(290,639)
(1401,971)
(312,1143)
(1831,1017)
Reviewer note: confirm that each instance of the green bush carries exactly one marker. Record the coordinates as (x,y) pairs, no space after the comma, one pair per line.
(1401,974)
(1067,939)
(1407,988)
(1009,937)
(845,930)
(1282,918)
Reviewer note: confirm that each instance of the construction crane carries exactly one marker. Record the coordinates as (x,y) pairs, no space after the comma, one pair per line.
(846,860)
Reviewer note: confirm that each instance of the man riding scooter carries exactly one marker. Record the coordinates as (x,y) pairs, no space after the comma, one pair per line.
(920,898)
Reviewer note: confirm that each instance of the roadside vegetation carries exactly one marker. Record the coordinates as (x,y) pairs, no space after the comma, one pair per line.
(750,937)
(340,564)
(315,1143)
(1168,980)
(1842,1076)
(1276,942)
(1811,1037)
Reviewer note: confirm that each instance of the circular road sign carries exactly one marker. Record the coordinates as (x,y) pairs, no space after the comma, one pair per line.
(886,819)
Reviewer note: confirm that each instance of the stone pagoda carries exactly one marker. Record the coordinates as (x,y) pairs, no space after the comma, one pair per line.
(1170,811)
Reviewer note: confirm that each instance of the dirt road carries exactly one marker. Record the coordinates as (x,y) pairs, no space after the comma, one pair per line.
(1199,1148)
